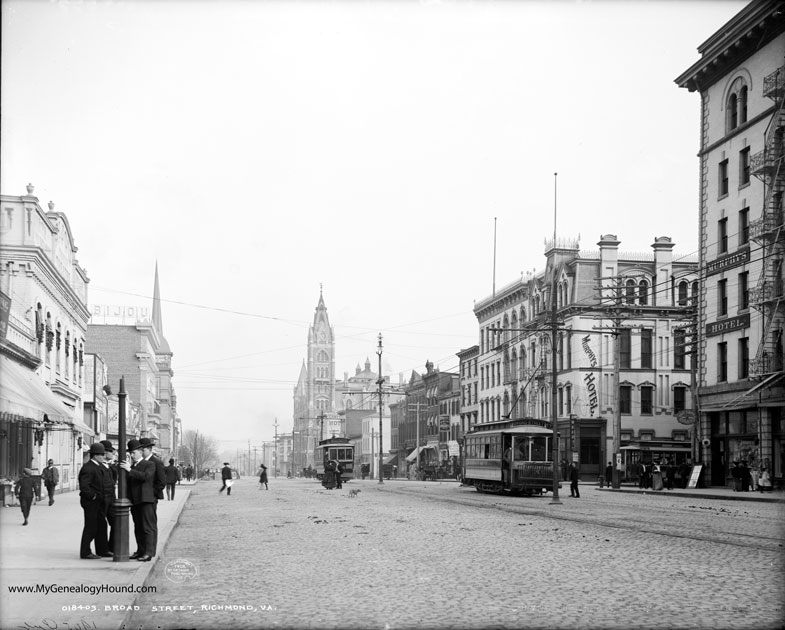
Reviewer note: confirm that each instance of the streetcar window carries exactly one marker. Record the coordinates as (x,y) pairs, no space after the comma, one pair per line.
(522,450)
(539,449)
(486,451)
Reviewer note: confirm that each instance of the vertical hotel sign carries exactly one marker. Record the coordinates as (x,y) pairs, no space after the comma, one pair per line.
(5,310)
(589,378)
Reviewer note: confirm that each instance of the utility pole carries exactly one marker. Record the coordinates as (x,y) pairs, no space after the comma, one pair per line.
(554,374)
(417,443)
(321,417)
(380,381)
(275,451)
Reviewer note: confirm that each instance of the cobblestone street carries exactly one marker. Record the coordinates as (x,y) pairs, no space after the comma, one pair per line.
(436,555)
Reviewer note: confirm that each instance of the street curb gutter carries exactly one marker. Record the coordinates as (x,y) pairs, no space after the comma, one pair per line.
(146,568)
(744,496)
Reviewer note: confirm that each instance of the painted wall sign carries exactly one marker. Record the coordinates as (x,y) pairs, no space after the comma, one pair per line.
(589,378)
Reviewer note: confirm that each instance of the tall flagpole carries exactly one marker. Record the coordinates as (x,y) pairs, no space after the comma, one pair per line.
(494,256)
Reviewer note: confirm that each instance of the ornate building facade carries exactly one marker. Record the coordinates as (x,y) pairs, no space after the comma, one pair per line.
(740,77)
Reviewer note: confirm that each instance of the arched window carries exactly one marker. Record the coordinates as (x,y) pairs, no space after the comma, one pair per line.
(629,292)
(643,292)
(736,106)
(733,112)
(682,293)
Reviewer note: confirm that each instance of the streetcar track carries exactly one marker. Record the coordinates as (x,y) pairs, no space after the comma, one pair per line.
(775,544)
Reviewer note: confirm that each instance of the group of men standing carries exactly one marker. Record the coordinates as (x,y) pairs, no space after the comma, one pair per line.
(97,480)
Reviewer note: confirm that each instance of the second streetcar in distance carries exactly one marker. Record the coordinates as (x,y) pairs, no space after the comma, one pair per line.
(337,448)
(513,456)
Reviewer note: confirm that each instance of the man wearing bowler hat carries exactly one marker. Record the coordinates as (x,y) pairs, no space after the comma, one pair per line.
(109,497)
(159,483)
(95,481)
(141,476)
(226,475)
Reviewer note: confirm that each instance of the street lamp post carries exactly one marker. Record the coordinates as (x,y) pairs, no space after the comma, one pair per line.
(122,505)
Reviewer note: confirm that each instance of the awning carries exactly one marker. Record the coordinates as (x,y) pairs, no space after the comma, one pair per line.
(390,459)
(676,448)
(412,456)
(23,393)
(767,382)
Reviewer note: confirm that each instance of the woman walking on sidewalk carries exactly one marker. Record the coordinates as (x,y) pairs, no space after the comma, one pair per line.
(26,489)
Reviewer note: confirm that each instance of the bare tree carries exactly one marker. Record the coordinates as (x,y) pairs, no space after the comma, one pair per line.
(201,450)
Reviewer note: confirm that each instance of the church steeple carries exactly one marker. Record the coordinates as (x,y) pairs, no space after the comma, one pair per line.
(157,319)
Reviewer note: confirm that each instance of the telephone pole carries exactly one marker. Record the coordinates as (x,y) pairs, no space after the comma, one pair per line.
(380,382)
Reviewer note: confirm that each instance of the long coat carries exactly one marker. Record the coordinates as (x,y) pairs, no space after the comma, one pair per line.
(51,476)
(95,481)
(141,479)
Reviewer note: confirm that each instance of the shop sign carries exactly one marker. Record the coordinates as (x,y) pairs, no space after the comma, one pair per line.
(5,310)
(727,325)
(728,262)
(589,378)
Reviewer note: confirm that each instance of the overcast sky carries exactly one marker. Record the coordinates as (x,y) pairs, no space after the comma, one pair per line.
(260,150)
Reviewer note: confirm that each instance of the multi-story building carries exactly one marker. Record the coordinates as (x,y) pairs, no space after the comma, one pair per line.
(141,354)
(601,297)
(314,416)
(741,307)
(42,341)
(469,386)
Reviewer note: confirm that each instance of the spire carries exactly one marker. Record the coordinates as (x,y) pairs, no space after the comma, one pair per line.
(157,320)
(157,323)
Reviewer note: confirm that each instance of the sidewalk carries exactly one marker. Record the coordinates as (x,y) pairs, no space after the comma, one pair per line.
(719,493)
(47,552)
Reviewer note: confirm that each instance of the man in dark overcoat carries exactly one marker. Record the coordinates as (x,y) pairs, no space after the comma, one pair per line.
(226,475)
(51,478)
(109,497)
(159,483)
(95,481)
(141,491)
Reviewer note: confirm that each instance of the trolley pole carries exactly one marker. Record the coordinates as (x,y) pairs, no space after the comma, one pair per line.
(380,381)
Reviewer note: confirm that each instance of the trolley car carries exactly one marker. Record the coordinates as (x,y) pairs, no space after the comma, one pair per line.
(339,449)
(512,456)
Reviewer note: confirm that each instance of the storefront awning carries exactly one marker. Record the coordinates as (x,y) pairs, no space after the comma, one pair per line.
(766,382)
(23,393)
(675,448)
(391,459)
(412,456)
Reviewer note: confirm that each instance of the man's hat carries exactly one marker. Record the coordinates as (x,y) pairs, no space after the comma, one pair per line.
(97,449)
(107,446)
(147,442)
(134,445)
(226,463)
(171,461)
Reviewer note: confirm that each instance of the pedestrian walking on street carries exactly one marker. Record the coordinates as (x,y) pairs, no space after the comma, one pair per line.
(141,491)
(328,481)
(263,477)
(609,474)
(172,477)
(26,488)
(338,473)
(226,476)
(574,492)
(51,478)
(109,496)
(189,471)
(95,482)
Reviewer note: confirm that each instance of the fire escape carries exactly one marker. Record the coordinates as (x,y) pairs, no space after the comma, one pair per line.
(767,231)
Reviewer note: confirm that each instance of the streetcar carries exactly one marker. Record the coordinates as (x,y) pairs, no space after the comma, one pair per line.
(527,468)
(339,449)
